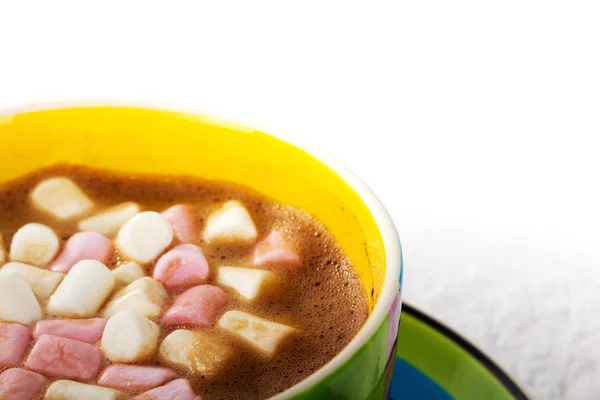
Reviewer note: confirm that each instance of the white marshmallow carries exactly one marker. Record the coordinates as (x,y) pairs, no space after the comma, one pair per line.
(109,221)
(145,296)
(247,281)
(129,337)
(176,347)
(231,223)
(126,273)
(34,244)
(198,352)
(60,197)
(145,236)
(17,301)
(83,291)
(262,334)
(42,281)
(71,390)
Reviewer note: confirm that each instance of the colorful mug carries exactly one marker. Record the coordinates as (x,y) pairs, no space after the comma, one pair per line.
(144,140)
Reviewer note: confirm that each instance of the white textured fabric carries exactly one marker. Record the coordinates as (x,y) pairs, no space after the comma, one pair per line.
(531,304)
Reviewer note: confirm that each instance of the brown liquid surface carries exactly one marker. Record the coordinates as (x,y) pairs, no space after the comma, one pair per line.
(324,300)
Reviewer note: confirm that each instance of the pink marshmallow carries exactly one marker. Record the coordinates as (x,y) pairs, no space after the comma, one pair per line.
(179,389)
(64,358)
(182,222)
(14,341)
(83,246)
(20,384)
(198,306)
(276,250)
(84,330)
(135,377)
(182,267)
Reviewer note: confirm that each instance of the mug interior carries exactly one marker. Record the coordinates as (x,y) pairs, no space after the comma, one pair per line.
(150,141)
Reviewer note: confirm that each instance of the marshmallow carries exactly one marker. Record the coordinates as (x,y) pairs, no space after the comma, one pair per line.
(246,281)
(145,296)
(179,389)
(60,197)
(84,330)
(199,352)
(14,343)
(276,250)
(126,273)
(71,390)
(83,246)
(182,267)
(17,301)
(34,244)
(135,377)
(262,334)
(42,282)
(129,337)
(231,223)
(20,384)
(83,291)
(181,219)
(64,358)
(109,221)
(198,306)
(145,236)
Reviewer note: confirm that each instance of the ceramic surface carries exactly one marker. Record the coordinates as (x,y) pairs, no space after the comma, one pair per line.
(434,363)
(152,141)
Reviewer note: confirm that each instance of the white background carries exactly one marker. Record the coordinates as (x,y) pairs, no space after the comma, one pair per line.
(476,123)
